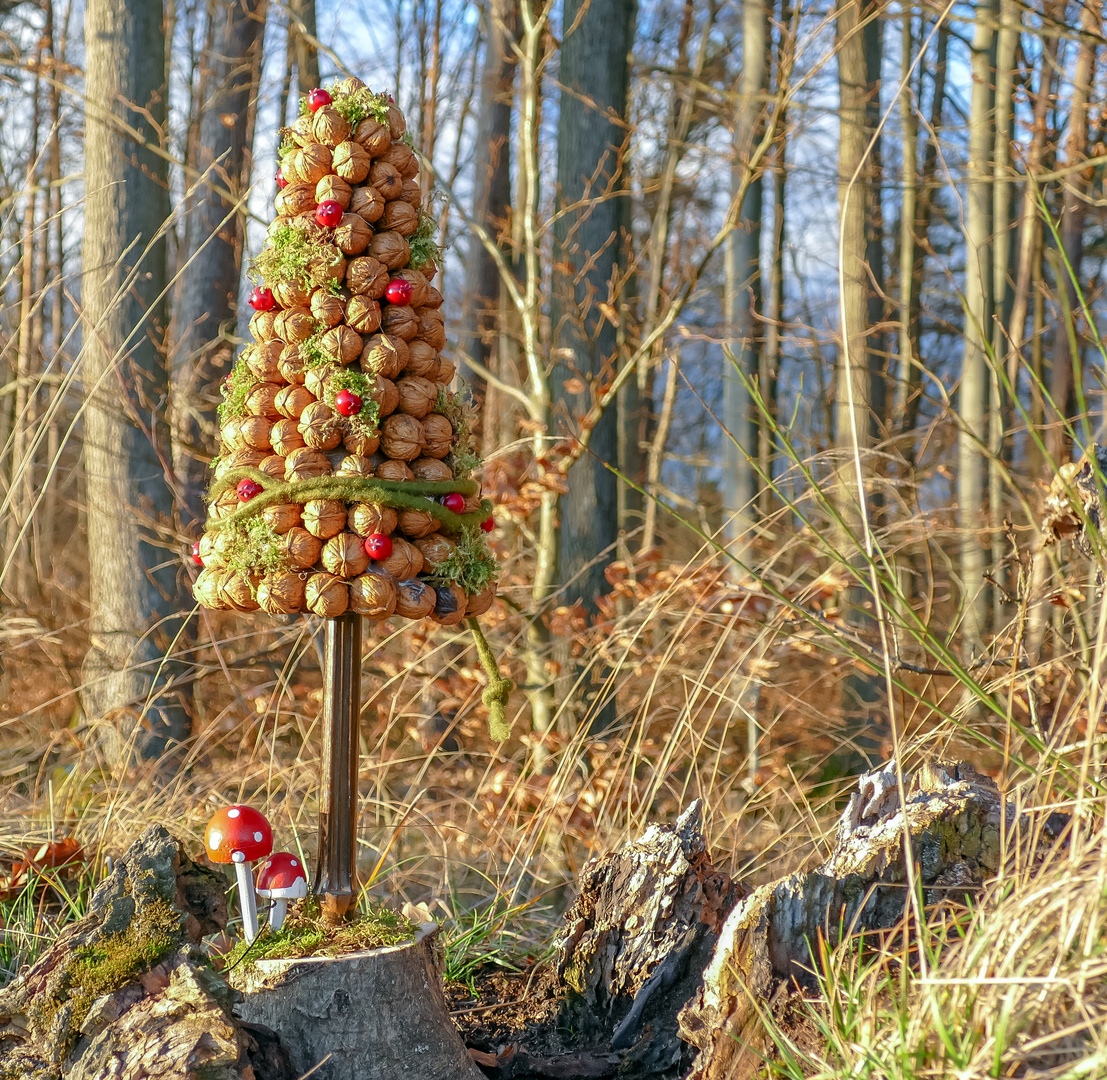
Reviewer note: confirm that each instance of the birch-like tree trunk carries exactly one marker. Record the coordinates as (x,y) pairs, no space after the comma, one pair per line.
(975,369)
(132,556)
(302,38)
(207,291)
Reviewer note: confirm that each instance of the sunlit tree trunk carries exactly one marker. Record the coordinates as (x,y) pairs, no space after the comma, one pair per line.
(133,563)
(302,37)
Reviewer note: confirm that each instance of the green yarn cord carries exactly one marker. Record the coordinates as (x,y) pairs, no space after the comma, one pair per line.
(497,691)
(405,494)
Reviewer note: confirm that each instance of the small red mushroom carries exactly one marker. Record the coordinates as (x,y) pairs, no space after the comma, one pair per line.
(240,835)
(281,878)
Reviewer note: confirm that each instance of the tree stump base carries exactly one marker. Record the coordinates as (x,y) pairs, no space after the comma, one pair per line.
(372,1015)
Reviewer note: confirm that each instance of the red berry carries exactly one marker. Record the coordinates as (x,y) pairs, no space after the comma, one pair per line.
(347,403)
(247,489)
(455,501)
(328,214)
(398,292)
(318,98)
(262,299)
(378,546)
(196,553)
(488,524)
(281,181)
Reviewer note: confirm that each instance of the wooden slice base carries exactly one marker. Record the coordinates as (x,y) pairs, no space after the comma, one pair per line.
(379,1014)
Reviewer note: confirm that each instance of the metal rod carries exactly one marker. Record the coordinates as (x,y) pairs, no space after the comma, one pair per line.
(335,871)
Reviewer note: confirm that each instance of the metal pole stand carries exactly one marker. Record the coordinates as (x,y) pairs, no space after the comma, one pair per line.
(336,866)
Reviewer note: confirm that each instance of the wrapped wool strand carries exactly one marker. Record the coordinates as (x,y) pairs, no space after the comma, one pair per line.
(433,471)
(342,342)
(326,595)
(384,355)
(295,199)
(417,396)
(479,603)
(263,325)
(330,127)
(326,307)
(405,561)
(334,189)
(373,136)
(272,465)
(363,314)
(344,555)
(419,286)
(438,435)
(449,604)
(368,204)
(400,217)
(397,125)
(422,359)
(264,358)
(355,465)
(353,234)
(306,464)
(352,161)
(361,444)
(319,427)
(324,517)
(387,397)
(289,294)
(373,594)
(395,471)
(366,276)
(386,179)
(301,547)
(415,599)
(282,517)
(238,589)
(245,458)
(446,370)
(402,437)
(261,399)
(313,162)
(391,249)
(417,523)
(295,325)
(281,593)
(291,401)
(412,194)
(368,518)
(436,550)
(400,321)
(431,328)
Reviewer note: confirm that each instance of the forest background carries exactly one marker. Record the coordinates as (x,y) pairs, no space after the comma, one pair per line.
(712,269)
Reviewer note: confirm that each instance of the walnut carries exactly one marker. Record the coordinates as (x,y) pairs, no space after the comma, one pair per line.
(352,161)
(446,372)
(272,465)
(319,377)
(206,589)
(399,319)
(419,286)
(412,194)
(225,504)
(329,126)
(363,315)
(394,470)
(436,550)
(313,162)
(373,594)
(428,269)
(263,359)
(326,307)
(438,435)
(290,294)
(386,396)
(254,431)
(237,589)
(212,559)
(245,458)
(479,603)
(333,189)
(402,437)
(367,276)
(386,179)
(260,400)
(449,604)
(373,135)
(422,359)
(263,325)
(405,561)
(324,517)
(367,203)
(348,86)
(301,129)
(281,593)
(417,396)
(361,445)
(325,594)
(434,298)
(414,599)
(295,199)
(367,518)
(352,235)
(417,523)
(342,342)
(391,249)
(431,470)
(295,325)
(319,426)
(400,217)
(306,464)
(403,159)
(344,555)
(355,465)
(302,548)
(397,125)
(330,265)
(382,355)
(282,517)
(431,328)
(292,400)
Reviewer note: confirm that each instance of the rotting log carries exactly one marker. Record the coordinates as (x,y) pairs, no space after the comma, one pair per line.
(127,993)
(953,815)
(373,1015)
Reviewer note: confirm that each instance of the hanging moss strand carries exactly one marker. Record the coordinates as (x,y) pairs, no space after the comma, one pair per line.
(497,692)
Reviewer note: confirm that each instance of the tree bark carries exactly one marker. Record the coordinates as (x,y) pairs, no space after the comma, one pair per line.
(132,561)
(302,36)
(207,291)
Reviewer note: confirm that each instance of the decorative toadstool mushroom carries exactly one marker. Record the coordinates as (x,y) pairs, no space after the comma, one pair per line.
(240,835)
(281,878)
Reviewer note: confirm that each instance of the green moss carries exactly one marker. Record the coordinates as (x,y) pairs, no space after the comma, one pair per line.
(365,422)
(407,140)
(462,414)
(305,934)
(255,547)
(471,564)
(464,462)
(422,244)
(293,254)
(361,103)
(241,381)
(313,352)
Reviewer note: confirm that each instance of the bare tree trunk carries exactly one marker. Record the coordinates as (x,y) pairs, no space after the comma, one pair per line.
(132,566)
(908,210)
(207,292)
(974,393)
(302,32)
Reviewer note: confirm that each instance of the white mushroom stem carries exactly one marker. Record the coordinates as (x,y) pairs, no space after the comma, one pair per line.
(246,899)
(277,913)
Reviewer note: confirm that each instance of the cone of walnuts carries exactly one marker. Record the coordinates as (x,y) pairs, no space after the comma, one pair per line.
(344,476)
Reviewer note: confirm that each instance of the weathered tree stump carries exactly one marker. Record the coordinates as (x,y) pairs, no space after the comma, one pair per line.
(126,992)
(374,1015)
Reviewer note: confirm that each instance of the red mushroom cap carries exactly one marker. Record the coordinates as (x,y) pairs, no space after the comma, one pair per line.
(238,834)
(282,877)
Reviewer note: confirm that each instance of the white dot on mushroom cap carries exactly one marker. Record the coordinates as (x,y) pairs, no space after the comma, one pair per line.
(293,862)
(237,856)
(268,863)
(214,840)
(233,812)
(257,837)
